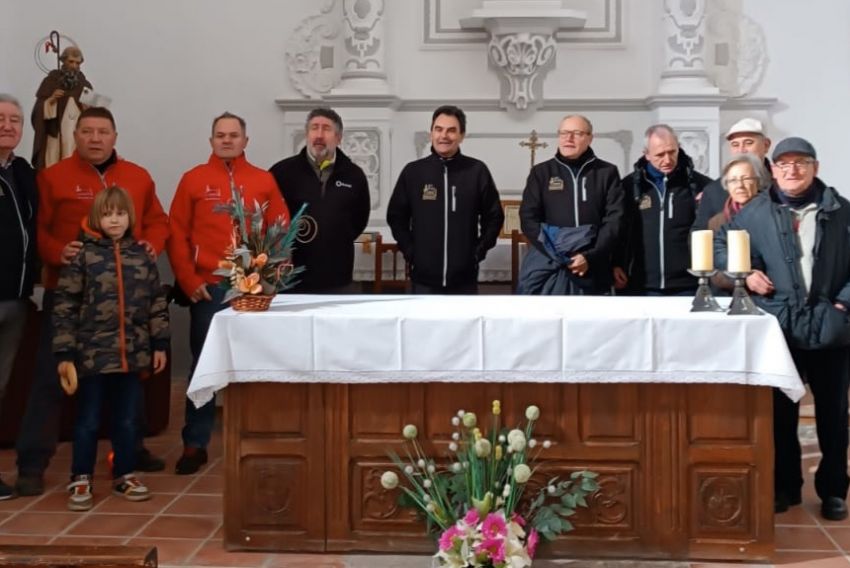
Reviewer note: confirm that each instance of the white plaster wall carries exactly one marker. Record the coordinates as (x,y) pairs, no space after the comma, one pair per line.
(170,66)
(809,72)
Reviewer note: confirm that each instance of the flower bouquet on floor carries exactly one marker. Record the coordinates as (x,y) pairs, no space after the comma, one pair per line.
(258,262)
(476,501)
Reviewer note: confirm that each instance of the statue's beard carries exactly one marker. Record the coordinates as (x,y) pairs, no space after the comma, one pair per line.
(70,79)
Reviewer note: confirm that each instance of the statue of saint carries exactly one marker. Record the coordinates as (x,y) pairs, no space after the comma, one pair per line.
(57,107)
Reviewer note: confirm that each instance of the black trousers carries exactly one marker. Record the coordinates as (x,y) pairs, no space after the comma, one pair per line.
(827,372)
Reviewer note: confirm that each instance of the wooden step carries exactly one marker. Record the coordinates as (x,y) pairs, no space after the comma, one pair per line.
(76,556)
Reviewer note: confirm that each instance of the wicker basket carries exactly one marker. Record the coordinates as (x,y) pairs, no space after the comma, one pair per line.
(251,303)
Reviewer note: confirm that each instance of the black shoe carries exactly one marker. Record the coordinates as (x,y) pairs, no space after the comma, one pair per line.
(6,491)
(146,461)
(781,502)
(29,485)
(833,509)
(191,461)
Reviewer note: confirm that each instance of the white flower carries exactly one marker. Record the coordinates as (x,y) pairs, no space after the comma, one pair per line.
(426,484)
(408,469)
(455,421)
(550,489)
(532,443)
(547,444)
(431,468)
(452,447)
(460,413)
(507,490)
(455,436)
(483,448)
(426,498)
(389,480)
(532,413)
(501,438)
(456,467)
(522,473)
(516,439)
(410,432)
(470,420)
(421,463)
(431,508)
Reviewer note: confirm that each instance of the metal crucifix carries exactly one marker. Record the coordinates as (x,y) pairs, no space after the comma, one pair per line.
(533,144)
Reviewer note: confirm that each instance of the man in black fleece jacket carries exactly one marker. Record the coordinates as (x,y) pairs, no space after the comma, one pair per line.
(576,189)
(445,212)
(336,192)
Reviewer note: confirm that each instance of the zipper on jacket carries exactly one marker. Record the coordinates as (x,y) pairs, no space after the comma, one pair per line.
(454,198)
(122,335)
(662,206)
(576,177)
(25,238)
(445,223)
(584,189)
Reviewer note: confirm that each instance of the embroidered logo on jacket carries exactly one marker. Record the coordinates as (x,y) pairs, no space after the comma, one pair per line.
(429,192)
(645,202)
(343,184)
(212,193)
(556,184)
(83,192)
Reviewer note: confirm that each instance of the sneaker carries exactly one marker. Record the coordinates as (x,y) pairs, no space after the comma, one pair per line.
(6,491)
(191,461)
(146,461)
(130,488)
(81,498)
(29,485)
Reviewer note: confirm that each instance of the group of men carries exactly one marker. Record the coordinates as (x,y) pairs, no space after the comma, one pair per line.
(592,231)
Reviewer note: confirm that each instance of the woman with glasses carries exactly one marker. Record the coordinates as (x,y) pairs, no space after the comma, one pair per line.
(743,177)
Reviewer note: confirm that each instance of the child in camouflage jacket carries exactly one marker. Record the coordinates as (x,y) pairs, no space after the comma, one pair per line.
(111,323)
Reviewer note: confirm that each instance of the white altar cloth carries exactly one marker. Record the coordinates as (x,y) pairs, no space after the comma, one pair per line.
(377,339)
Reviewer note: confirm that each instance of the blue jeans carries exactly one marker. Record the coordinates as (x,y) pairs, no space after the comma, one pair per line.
(123,391)
(39,430)
(199,422)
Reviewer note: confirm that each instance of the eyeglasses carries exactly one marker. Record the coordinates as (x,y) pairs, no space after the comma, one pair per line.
(800,165)
(745,180)
(572,133)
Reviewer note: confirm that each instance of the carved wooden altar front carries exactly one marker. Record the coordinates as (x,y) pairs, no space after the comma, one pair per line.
(685,470)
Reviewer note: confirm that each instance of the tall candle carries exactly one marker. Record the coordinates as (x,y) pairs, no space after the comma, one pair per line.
(702,251)
(739,251)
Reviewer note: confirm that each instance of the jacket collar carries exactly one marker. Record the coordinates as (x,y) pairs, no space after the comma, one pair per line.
(235,164)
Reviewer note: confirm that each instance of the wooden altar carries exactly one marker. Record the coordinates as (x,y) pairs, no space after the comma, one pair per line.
(319,389)
(685,470)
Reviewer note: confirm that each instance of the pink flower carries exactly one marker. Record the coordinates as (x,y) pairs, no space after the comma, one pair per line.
(531,545)
(471,517)
(493,548)
(494,525)
(518,520)
(447,539)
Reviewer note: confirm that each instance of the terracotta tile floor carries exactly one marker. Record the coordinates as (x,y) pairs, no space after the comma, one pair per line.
(183,519)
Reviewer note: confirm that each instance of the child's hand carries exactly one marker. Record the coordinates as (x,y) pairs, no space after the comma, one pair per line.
(67,377)
(159,361)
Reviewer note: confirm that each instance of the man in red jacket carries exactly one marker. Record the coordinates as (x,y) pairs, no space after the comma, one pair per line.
(199,237)
(66,191)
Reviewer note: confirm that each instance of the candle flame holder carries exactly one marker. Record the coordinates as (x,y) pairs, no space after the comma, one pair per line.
(742,304)
(703,299)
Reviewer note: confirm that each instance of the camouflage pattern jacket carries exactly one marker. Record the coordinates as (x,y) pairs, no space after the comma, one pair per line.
(110,312)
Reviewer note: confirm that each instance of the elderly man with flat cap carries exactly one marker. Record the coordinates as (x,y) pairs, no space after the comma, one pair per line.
(747,136)
(800,252)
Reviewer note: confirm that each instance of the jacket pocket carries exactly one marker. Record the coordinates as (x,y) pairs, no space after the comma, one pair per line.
(821,326)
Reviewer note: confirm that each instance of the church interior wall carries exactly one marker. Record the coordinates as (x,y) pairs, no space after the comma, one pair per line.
(171,66)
